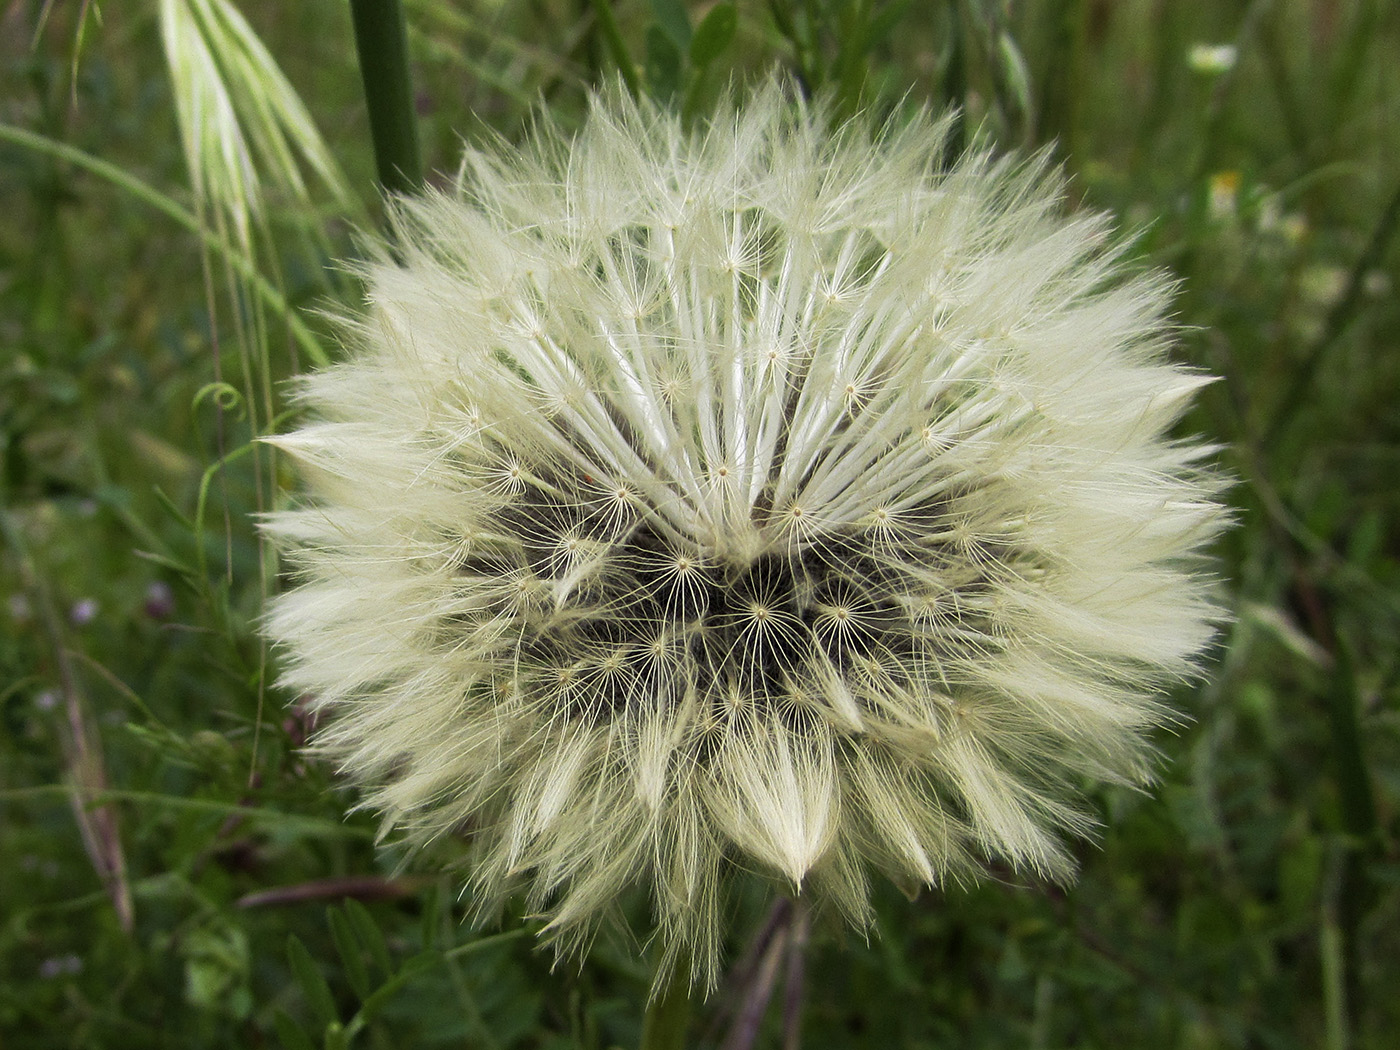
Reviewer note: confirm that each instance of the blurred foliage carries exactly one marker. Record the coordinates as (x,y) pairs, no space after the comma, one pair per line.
(174,873)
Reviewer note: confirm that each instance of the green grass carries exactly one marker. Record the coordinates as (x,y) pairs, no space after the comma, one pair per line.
(1251,901)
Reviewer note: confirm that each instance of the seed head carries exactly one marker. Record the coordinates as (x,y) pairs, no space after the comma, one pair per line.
(760,498)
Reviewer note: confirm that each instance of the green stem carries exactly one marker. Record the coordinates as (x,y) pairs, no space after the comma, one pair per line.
(1362,829)
(1339,318)
(381,39)
(612,38)
(1357,799)
(955,83)
(1064,78)
(668,1013)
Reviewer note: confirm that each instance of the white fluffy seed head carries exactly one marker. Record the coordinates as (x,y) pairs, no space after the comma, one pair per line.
(759,498)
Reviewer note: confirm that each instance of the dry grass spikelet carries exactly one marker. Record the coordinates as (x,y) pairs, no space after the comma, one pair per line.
(761,497)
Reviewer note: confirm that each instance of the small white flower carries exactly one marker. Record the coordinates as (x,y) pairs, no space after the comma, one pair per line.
(763,498)
(1212,59)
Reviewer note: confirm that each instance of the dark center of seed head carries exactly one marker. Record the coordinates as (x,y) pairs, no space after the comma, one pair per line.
(743,618)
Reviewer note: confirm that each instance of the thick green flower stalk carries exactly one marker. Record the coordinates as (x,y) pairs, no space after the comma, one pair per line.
(755,498)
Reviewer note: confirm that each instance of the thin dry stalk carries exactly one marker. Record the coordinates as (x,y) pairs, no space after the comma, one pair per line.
(99,822)
(360,887)
(86,773)
(742,972)
(795,984)
(746,1025)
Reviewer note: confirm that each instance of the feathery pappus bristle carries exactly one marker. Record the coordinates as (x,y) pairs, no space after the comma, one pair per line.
(764,497)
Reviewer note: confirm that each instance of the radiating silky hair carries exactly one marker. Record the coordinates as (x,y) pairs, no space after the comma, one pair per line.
(760,498)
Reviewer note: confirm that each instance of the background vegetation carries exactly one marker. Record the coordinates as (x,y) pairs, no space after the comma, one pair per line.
(173,873)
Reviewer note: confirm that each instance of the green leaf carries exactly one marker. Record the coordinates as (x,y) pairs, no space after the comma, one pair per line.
(171,507)
(617,47)
(884,22)
(370,935)
(349,949)
(293,1038)
(1366,540)
(1015,75)
(313,985)
(674,22)
(166,562)
(430,920)
(663,64)
(376,1002)
(713,34)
